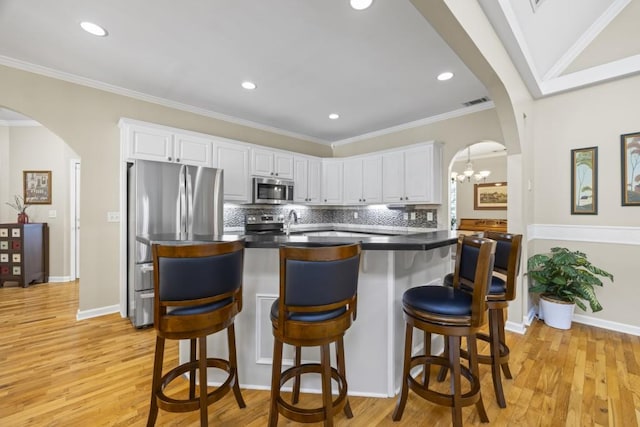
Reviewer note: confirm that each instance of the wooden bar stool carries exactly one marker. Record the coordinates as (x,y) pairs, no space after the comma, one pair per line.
(501,291)
(198,292)
(317,304)
(453,312)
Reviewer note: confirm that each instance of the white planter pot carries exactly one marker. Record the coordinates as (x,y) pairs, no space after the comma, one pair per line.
(557,314)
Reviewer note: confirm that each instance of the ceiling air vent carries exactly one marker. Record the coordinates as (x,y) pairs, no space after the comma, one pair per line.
(475,101)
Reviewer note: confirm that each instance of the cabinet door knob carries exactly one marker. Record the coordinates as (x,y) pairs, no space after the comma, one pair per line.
(178,160)
(276,173)
(169,158)
(271,173)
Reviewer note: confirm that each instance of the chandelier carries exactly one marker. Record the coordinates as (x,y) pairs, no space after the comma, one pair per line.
(468,172)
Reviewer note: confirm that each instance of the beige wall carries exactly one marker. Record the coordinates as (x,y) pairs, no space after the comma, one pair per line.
(87,120)
(594,116)
(4,172)
(465,192)
(36,148)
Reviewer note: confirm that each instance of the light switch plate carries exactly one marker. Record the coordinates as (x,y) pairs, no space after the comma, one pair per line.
(429,216)
(405,215)
(53,213)
(413,215)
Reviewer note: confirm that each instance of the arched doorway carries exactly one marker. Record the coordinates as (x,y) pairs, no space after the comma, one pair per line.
(484,156)
(27,145)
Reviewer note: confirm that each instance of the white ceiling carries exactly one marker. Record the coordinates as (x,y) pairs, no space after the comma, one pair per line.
(377,68)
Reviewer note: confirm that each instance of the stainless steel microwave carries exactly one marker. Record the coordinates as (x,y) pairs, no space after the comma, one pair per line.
(272,191)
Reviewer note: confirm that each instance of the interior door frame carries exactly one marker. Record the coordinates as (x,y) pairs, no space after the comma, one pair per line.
(74,218)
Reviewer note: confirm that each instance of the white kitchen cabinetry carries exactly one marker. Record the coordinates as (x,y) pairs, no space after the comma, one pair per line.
(306,176)
(413,175)
(158,144)
(234,160)
(271,163)
(363,180)
(332,171)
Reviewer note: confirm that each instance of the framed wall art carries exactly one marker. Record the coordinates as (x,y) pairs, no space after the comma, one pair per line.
(630,167)
(584,181)
(37,187)
(492,196)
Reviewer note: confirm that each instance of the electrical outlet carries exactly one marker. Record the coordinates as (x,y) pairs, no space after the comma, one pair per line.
(429,216)
(355,215)
(405,215)
(413,215)
(113,216)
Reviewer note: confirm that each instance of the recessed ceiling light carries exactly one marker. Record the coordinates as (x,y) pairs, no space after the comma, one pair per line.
(94,29)
(361,4)
(249,85)
(445,76)
(334,116)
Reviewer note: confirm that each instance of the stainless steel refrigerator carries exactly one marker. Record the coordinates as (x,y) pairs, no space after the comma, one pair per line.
(166,202)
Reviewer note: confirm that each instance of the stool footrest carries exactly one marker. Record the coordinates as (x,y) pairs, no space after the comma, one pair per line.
(310,415)
(444,399)
(185,405)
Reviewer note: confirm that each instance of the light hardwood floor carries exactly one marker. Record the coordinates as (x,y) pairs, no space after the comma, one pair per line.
(55,371)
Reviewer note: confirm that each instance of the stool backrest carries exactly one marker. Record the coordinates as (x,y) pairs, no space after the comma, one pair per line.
(508,250)
(474,266)
(190,278)
(316,279)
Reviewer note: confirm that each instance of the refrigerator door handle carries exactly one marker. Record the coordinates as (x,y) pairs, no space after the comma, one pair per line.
(189,201)
(182,214)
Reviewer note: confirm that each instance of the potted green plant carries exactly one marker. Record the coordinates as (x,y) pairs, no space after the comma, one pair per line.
(21,206)
(564,279)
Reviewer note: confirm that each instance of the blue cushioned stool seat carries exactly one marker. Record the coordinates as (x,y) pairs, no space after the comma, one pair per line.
(199,309)
(439,300)
(496,287)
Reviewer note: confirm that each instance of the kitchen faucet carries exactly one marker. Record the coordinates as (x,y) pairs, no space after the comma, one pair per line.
(287,223)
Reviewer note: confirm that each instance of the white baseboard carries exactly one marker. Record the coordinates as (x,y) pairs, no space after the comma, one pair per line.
(607,324)
(97,312)
(59,279)
(518,328)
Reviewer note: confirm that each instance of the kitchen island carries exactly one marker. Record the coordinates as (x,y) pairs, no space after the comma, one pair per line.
(390,265)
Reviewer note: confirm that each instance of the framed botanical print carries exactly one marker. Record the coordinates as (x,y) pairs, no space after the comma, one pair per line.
(584,181)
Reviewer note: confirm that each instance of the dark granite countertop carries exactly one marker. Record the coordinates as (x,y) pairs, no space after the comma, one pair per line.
(406,242)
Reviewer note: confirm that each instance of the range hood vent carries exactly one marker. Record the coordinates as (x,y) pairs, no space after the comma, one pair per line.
(475,101)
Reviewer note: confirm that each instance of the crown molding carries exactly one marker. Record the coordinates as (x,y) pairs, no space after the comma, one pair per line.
(83,81)
(417,123)
(19,123)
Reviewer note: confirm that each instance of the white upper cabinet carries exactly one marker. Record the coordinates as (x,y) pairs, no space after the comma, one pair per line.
(234,160)
(307,171)
(332,181)
(363,180)
(271,163)
(413,175)
(159,144)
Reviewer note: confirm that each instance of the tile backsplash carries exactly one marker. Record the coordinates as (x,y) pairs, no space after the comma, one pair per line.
(425,216)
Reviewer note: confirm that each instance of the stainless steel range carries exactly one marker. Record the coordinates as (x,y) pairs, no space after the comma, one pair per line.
(264,224)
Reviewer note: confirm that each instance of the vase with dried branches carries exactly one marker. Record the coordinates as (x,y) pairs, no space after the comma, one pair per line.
(21,206)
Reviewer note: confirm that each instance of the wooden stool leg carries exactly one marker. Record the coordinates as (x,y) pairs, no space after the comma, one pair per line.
(442,374)
(202,367)
(454,362)
(275,382)
(494,335)
(342,370)
(327,398)
(426,369)
(472,348)
(295,396)
(402,399)
(503,340)
(155,382)
(192,372)
(233,364)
